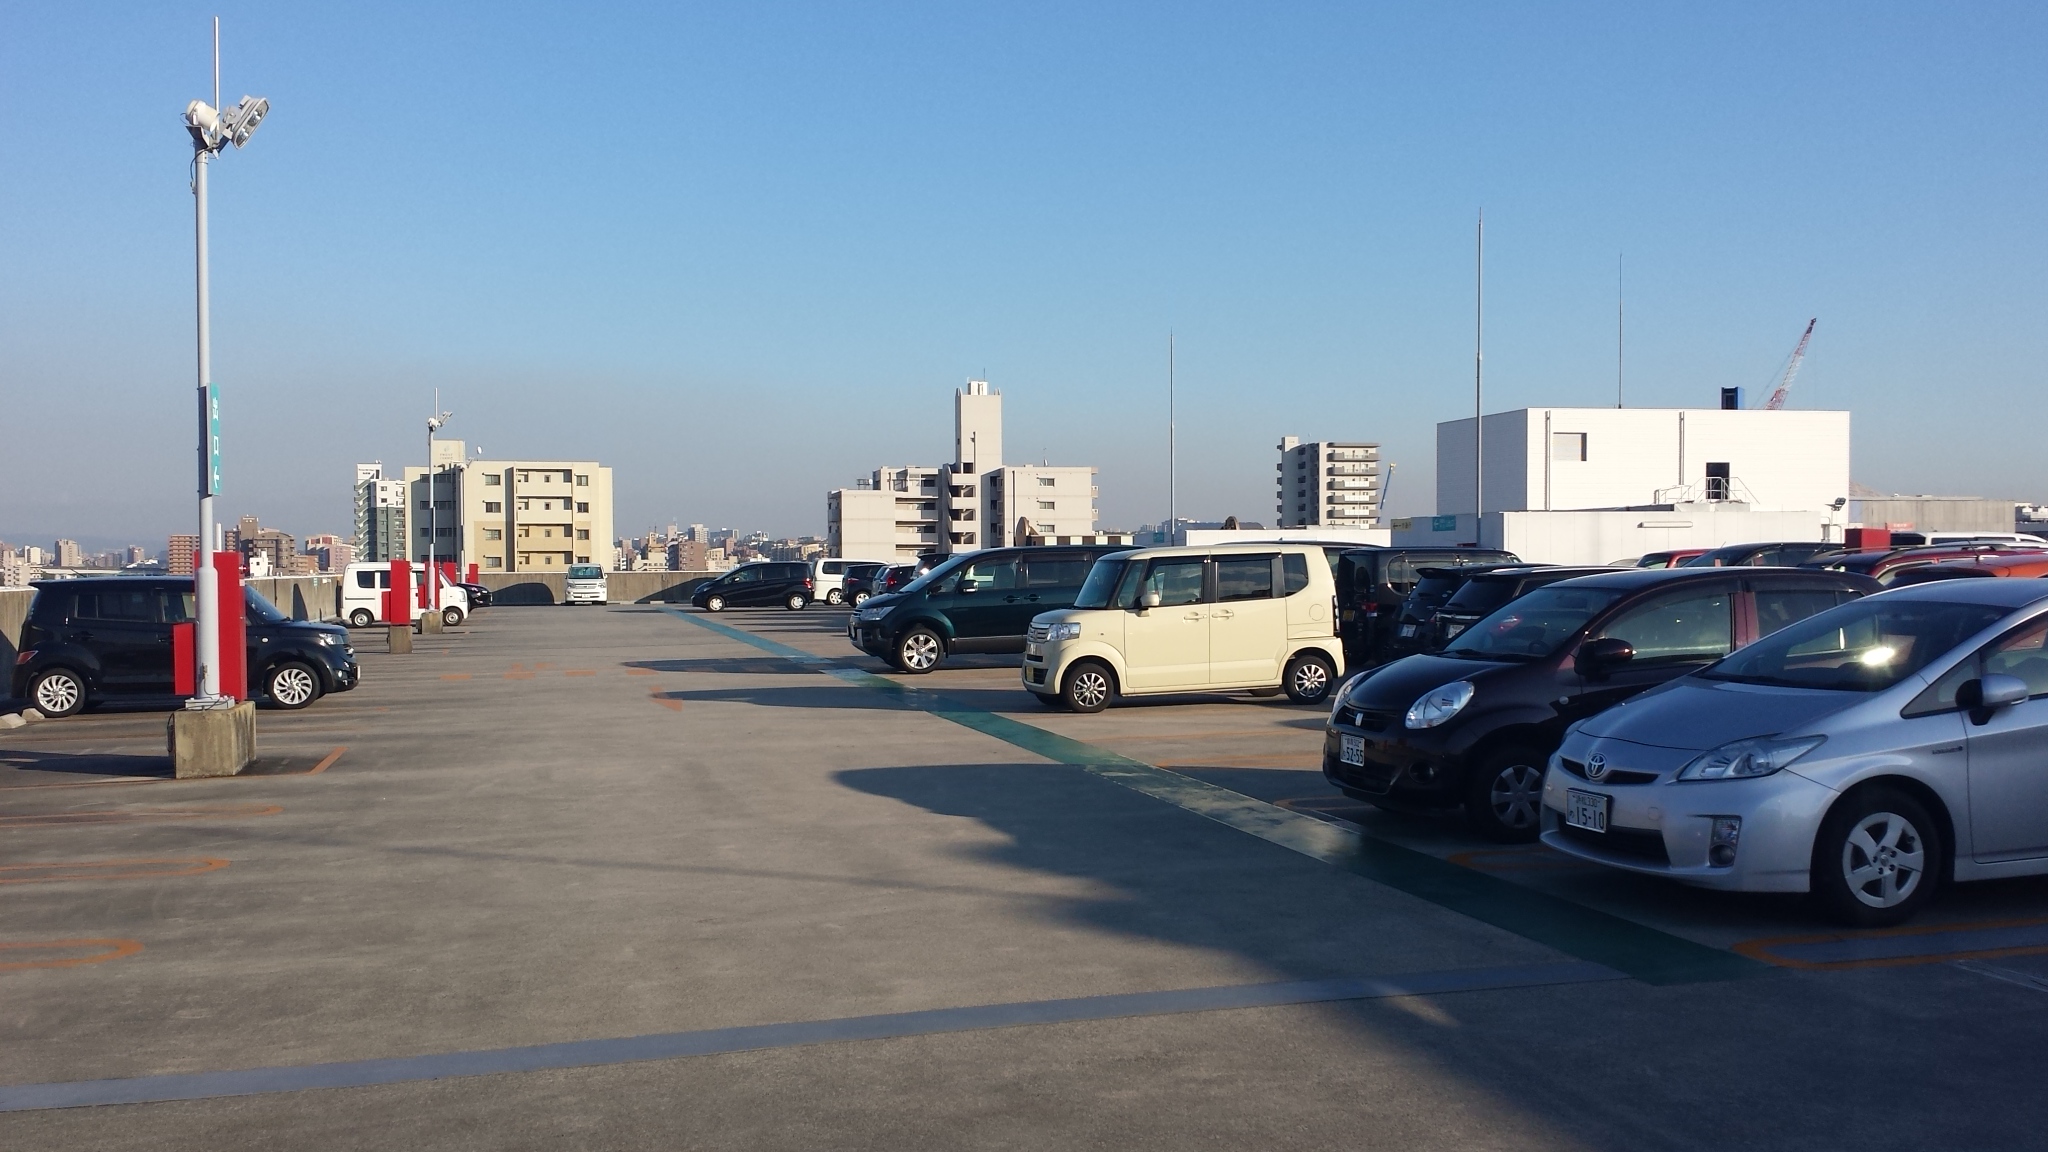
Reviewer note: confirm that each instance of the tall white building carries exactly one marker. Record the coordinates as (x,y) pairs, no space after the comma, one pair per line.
(512,515)
(974,502)
(1329,484)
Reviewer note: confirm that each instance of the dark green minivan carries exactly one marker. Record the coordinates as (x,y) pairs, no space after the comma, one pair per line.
(976,602)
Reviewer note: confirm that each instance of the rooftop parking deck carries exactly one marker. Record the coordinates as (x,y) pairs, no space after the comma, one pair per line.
(637,877)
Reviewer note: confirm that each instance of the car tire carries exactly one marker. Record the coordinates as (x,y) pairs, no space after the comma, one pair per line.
(362,618)
(859,598)
(1089,687)
(1310,676)
(450,617)
(291,685)
(796,602)
(919,650)
(1504,794)
(835,597)
(1877,860)
(714,603)
(57,692)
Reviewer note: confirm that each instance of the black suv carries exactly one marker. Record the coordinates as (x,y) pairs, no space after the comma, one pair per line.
(1476,724)
(979,602)
(756,586)
(1372,583)
(100,637)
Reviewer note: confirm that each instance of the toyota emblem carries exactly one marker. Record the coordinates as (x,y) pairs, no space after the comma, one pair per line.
(1596,767)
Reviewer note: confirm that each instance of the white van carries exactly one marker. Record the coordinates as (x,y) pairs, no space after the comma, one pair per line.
(1236,617)
(363,587)
(828,577)
(584,584)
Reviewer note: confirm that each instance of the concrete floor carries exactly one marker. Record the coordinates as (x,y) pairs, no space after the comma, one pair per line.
(581,824)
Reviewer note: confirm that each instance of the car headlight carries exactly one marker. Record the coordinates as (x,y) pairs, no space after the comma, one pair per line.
(1438,705)
(327,638)
(1741,759)
(873,614)
(1068,631)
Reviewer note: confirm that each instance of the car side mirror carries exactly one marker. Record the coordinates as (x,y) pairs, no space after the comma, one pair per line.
(1148,601)
(1597,658)
(967,589)
(1983,697)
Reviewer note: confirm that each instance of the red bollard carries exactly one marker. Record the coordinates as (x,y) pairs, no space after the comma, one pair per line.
(234,620)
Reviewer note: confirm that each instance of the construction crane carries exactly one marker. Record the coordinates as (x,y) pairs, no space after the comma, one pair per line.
(1777,399)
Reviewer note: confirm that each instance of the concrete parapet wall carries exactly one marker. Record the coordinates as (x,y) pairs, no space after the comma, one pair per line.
(14,604)
(302,597)
(515,588)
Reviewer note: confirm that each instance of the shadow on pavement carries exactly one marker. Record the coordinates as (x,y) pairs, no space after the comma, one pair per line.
(19,766)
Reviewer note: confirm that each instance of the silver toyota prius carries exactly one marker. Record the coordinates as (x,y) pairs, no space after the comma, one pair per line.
(1863,755)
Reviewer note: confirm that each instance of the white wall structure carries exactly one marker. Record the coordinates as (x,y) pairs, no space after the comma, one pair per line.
(1603,536)
(1328,482)
(892,516)
(1363,537)
(1025,500)
(1576,458)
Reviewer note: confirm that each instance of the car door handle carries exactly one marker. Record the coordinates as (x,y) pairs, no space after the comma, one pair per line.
(1944,751)
(1219,614)
(1192,616)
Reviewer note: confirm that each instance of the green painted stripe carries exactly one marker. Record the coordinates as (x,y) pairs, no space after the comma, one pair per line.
(1649,955)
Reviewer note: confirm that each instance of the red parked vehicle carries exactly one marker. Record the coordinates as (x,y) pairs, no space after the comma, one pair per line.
(1885,567)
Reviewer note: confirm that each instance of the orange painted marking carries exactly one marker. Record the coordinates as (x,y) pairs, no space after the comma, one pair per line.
(519,668)
(542,667)
(109,870)
(641,672)
(112,950)
(662,699)
(327,762)
(454,675)
(579,672)
(518,675)
(139,815)
(1762,949)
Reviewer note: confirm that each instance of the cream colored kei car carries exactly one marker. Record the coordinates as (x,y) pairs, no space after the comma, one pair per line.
(1242,617)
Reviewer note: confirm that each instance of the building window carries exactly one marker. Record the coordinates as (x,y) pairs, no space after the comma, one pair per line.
(1045,505)
(525,505)
(582,481)
(494,506)
(1567,445)
(583,533)
(524,532)
(1045,481)
(447,531)
(583,559)
(493,480)
(494,561)
(548,532)
(493,534)
(583,506)
(424,506)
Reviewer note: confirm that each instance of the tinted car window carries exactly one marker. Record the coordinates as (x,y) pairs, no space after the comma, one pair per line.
(1690,625)
(1244,578)
(128,605)
(1056,570)
(1177,582)
(1866,645)
(1480,596)
(1534,626)
(1777,607)
(2024,655)
(743,576)
(366,579)
(1293,573)
(995,575)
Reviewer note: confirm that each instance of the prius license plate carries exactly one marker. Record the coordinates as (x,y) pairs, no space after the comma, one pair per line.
(1352,750)
(1586,810)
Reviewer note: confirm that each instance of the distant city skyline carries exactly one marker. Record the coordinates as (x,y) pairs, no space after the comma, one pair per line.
(741,257)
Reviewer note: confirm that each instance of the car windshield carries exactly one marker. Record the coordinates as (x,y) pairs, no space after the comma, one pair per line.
(260,609)
(585,572)
(1481,596)
(1533,627)
(1097,590)
(1863,646)
(1434,588)
(938,573)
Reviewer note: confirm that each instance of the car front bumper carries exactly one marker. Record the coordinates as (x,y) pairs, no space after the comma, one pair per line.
(1424,767)
(1664,828)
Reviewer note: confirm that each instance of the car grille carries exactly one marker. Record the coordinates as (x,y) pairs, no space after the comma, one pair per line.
(1370,719)
(1377,779)
(1636,842)
(1614,775)
(1038,633)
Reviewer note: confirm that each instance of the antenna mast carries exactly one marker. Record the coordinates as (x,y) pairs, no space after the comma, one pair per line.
(1479,390)
(1172,520)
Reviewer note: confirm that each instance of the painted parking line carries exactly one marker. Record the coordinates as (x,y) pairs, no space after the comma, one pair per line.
(327,762)
(139,815)
(108,870)
(1897,947)
(1643,952)
(16,956)
(759,1037)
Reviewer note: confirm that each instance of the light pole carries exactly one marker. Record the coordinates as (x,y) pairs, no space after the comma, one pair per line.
(212,130)
(433,577)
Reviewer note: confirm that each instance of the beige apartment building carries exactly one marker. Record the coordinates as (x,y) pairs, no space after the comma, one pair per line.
(512,515)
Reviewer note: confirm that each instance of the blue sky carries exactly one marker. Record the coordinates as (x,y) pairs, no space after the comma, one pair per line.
(743,253)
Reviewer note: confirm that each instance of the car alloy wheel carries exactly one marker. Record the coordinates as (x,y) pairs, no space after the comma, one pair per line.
(292,686)
(919,651)
(1308,679)
(1878,858)
(58,692)
(1884,859)
(450,617)
(859,598)
(796,602)
(1088,688)
(714,604)
(361,618)
(835,597)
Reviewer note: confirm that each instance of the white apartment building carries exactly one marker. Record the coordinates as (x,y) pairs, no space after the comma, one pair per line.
(512,515)
(974,502)
(1554,459)
(1329,483)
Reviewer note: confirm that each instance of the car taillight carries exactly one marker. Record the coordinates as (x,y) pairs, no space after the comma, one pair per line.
(807,583)
(24,657)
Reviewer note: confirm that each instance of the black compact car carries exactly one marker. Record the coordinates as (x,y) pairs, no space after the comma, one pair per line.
(1475,724)
(1495,587)
(859,582)
(1372,583)
(757,585)
(978,602)
(1788,553)
(90,640)
(479,596)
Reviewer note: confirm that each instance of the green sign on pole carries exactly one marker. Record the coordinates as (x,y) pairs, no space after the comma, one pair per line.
(1443,523)
(210,482)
